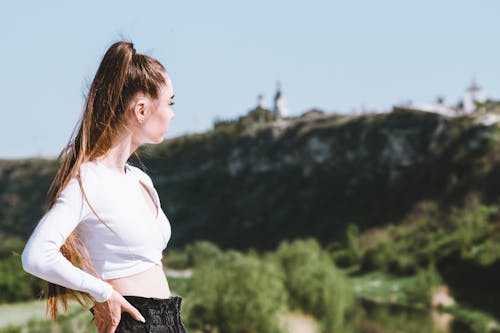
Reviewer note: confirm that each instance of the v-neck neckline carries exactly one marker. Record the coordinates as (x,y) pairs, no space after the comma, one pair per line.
(144,186)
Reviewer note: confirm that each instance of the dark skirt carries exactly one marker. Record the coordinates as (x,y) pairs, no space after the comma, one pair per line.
(163,315)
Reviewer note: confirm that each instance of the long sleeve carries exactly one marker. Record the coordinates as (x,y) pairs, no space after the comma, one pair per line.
(41,256)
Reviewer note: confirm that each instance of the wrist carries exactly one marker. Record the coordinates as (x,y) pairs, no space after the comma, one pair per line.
(105,294)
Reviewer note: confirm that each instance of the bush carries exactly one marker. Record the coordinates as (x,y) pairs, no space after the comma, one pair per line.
(176,259)
(15,284)
(378,257)
(201,252)
(420,291)
(404,264)
(351,252)
(235,293)
(314,284)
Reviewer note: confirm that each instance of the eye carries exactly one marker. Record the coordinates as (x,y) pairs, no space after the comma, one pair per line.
(171,103)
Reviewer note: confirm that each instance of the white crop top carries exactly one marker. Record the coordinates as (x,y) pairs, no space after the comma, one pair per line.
(136,244)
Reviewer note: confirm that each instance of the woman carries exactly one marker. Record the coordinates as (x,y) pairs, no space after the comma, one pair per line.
(102,236)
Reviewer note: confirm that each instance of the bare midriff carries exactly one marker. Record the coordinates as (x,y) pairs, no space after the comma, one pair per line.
(150,283)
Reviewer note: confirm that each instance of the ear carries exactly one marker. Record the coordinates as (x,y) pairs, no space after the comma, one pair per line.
(139,110)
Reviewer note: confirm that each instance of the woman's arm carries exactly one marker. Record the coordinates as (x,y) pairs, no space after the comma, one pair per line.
(41,256)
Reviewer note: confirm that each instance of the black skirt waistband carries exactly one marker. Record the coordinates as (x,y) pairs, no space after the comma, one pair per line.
(171,304)
(161,314)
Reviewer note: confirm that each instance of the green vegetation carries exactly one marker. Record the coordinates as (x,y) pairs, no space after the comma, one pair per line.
(408,291)
(232,291)
(478,321)
(14,282)
(432,236)
(404,264)
(235,293)
(313,282)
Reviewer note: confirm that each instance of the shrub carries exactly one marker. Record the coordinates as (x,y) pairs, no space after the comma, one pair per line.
(15,284)
(176,259)
(404,264)
(351,252)
(235,293)
(314,284)
(378,257)
(201,252)
(420,291)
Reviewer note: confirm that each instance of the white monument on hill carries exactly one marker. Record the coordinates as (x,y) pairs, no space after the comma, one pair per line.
(473,94)
(280,110)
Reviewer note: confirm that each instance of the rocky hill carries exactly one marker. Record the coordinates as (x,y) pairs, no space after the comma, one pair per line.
(255,181)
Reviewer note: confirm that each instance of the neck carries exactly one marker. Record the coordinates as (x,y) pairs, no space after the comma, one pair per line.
(121,148)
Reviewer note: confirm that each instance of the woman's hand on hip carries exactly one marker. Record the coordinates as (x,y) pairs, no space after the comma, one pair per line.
(107,314)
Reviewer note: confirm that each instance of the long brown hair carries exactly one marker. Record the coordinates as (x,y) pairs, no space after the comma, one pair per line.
(121,74)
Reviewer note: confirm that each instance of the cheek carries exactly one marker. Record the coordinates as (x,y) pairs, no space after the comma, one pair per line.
(155,125)
(161,122)
(166,117)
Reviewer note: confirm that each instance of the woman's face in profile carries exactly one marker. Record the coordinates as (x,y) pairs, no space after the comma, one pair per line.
(157,123)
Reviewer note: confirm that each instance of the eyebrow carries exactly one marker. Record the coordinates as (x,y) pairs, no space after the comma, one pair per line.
(171,97)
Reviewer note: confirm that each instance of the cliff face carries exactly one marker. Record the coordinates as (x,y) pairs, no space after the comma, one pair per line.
(314,176)
(256,184)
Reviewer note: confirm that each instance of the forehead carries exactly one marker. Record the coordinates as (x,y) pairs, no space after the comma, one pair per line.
(168,89)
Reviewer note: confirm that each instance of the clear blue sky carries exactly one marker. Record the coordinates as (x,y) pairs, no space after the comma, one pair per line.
(334,55)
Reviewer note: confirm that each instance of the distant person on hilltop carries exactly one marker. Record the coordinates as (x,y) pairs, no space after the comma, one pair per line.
(102,237)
